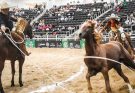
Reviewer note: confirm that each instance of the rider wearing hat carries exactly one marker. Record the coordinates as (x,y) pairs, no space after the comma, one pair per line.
(7,21)
(114,25)
(117,33)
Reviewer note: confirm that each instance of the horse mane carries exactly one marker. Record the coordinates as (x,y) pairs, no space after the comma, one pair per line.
(97,36)
(21,25)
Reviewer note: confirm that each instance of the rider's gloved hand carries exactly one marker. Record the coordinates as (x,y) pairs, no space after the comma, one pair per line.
(3,28)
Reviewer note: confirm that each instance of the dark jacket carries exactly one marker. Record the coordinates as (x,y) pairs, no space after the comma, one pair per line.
(7,20)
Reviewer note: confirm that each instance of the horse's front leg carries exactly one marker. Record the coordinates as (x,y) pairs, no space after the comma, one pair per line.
(107,82)
(88,75)
(20,71)
(13,73)
(1,69)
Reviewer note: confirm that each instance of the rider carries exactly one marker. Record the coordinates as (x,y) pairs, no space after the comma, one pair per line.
(117,32)
(114,25)
(7,21)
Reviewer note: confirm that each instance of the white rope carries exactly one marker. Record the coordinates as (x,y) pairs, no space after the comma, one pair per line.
(48,88)
(12,41)
(131,90)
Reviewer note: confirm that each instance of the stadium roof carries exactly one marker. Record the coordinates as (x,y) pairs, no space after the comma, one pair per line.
(50,3)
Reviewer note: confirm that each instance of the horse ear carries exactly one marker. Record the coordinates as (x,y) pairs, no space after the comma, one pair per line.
(89,21)
(29,21)
(94,23)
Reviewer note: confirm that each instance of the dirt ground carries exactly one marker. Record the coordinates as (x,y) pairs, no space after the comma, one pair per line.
(47,66)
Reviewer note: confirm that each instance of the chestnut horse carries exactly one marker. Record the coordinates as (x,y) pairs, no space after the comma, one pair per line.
(112,50)
(9,52)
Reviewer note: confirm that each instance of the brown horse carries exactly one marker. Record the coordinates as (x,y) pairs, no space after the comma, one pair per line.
(113,50)
(9,52)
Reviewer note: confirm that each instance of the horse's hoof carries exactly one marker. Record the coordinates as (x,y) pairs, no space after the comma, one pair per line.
(89,88)
(109,91)
(1,90)
(21,85)
(12,85)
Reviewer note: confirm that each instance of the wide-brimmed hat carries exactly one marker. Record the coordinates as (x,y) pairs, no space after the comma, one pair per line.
(4,5)
(113,16)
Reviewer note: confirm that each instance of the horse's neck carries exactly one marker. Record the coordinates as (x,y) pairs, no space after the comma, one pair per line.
(90,47)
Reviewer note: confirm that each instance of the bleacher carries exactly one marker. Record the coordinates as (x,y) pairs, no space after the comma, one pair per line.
(64,20)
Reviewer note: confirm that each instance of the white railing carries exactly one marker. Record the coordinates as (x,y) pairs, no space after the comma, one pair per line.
(64,37)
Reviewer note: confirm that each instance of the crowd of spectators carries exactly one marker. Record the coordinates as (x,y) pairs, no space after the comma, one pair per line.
(64,19)
(67,18)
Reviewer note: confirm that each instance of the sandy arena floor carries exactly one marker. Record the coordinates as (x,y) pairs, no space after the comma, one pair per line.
(47,66)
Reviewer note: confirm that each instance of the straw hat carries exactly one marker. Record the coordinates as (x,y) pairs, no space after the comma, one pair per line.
(5,5)
(112,16)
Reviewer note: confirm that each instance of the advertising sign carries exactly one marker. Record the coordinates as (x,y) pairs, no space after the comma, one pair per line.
(30,43)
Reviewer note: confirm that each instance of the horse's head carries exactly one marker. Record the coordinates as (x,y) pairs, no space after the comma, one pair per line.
(86,29)
(28,31)
(24,26)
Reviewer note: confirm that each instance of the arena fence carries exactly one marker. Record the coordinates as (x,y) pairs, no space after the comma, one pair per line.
(61,42)
(52,43)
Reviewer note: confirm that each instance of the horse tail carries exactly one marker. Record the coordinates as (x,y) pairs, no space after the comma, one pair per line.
(127,60)
(129,41)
